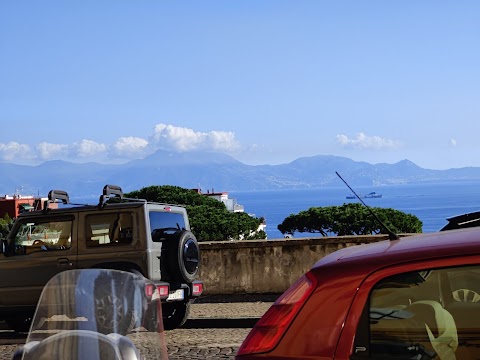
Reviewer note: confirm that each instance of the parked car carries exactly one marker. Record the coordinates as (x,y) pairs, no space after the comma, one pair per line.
(133,235)
(413,298)
(462,221)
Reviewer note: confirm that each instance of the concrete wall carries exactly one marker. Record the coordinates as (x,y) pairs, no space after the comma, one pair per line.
(265,266)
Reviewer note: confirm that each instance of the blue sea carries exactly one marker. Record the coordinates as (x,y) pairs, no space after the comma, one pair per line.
(432,203)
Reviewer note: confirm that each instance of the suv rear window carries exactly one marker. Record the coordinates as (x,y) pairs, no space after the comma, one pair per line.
(109,229)
(165,223)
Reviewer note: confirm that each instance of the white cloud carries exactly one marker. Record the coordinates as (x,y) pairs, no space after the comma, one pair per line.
(453,142)
(88,148)
(14,151)
(362,141)
(46,151)
(221,141)
(185,139)
(178,138)
(129,146)
(126,147)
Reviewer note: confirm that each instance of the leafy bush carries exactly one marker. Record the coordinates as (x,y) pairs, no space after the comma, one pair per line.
(209,218)
(349,219)
(5,225)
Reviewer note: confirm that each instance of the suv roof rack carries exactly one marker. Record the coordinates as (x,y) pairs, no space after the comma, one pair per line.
(56,196)
(110,191)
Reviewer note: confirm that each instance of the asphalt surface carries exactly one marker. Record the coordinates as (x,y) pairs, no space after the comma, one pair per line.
(215,330)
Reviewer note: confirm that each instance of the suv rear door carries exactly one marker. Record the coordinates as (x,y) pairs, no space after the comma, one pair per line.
(110,239)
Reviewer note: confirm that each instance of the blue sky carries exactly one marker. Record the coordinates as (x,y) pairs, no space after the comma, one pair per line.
(265,81)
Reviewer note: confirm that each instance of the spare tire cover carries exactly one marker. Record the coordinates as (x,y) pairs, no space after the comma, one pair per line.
(184,256)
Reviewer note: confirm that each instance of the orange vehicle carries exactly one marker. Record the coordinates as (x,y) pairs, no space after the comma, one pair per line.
(413,298)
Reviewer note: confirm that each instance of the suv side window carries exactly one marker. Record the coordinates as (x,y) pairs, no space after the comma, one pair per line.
(165,223)
(430,314)
(41,235)
(109,229)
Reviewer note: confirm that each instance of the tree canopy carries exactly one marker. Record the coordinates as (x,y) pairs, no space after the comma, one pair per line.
(5,225)
(209,218)
(349,219)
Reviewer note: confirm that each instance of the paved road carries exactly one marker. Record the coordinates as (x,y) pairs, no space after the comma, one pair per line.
(214,331)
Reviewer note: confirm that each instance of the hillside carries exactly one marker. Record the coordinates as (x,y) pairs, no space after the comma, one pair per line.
(218,171)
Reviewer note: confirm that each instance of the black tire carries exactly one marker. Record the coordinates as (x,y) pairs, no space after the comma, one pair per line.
(175,314)
(183,256)
(119,321)
(105,323)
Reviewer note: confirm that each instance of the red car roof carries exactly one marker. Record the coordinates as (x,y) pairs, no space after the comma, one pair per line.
(410,248)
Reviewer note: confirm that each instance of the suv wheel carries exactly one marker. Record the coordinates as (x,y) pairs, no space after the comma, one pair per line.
(184,256)
(175,314)
(110,296)
(124,318)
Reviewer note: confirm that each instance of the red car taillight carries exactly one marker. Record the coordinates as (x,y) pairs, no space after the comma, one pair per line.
(266,334)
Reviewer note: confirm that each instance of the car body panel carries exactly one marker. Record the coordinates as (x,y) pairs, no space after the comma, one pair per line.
(23,276)
(345,346)
(326,325)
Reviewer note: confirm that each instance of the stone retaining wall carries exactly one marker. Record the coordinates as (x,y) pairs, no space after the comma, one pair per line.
(265,266)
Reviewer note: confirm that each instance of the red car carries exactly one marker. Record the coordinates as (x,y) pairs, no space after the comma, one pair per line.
(413,298)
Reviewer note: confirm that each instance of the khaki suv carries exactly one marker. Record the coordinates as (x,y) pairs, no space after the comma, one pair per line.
(134,235)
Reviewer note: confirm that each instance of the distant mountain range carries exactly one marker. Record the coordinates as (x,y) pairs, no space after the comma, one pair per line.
(216,171)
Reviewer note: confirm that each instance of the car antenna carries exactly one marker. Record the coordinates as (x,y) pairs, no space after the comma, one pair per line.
(391,234)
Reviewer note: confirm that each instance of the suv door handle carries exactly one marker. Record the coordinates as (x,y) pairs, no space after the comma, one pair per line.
(64,262)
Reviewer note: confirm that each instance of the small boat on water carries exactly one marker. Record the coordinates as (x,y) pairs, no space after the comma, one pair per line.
(372,194)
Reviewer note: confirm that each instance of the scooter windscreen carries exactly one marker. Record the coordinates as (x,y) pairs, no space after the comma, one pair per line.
(95,314)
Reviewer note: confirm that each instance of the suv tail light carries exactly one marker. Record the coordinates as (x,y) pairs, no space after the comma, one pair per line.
(149,290)
(163,291)
(197,288)
(266,334)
